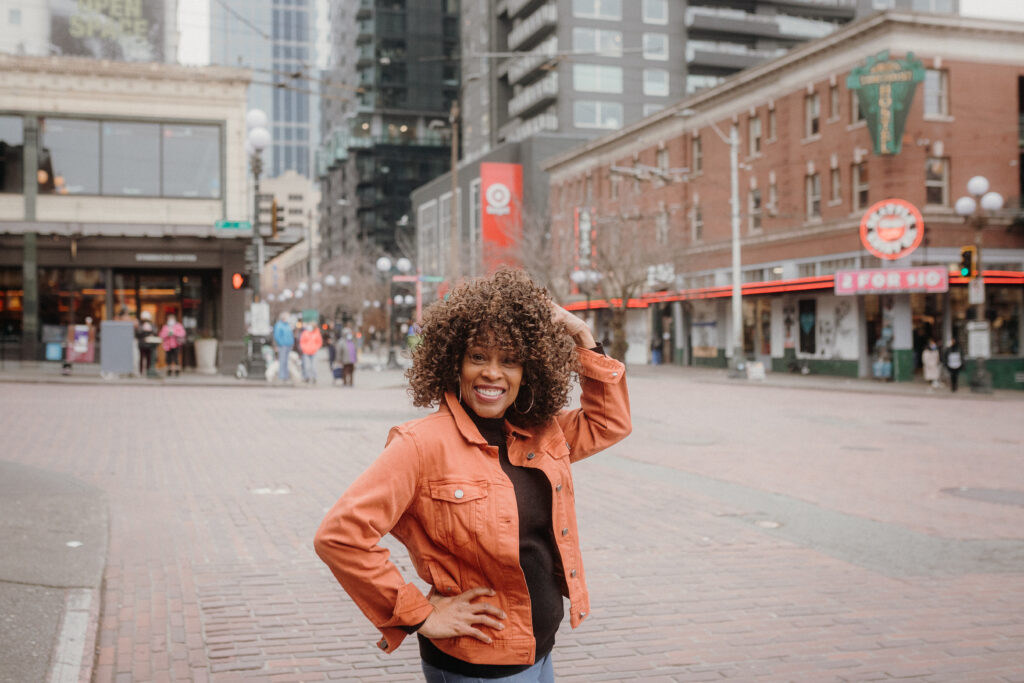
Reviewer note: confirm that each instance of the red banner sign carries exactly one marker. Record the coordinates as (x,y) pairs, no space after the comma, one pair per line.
(930,279)
(501,211)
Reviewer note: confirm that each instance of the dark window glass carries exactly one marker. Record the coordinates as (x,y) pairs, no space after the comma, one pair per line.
(11,139)
(131,159)
(191,161)
(69,161)
(10,303)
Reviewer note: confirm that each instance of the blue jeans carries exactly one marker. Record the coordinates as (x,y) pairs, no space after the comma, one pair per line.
(308,370)
(541,672)
(282,360)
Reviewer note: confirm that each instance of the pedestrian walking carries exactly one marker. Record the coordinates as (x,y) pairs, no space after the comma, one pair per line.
(954,361)
(931,363)
(148,340)
(173,336)
(309,343)
(482,485)
(347,355)
(284,340)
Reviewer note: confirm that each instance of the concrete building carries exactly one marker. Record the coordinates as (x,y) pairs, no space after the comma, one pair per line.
(298,199)
(276,39)
(814,158)
(113,176)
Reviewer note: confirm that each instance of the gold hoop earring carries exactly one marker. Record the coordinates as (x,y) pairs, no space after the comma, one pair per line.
(460,392)
(529,408)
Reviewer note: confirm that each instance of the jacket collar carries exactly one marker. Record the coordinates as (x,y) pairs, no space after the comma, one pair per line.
(464,423)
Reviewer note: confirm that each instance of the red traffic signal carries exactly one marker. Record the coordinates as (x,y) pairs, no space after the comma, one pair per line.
(239,280)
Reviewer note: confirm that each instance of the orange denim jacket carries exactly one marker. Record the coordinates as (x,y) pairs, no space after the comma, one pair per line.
(439,489)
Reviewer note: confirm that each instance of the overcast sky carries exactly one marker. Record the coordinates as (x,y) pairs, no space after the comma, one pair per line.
(194,21)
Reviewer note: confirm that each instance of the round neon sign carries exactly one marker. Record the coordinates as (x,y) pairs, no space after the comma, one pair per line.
(891,229)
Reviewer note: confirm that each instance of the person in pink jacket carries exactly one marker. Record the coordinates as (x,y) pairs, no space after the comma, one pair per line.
(310,342)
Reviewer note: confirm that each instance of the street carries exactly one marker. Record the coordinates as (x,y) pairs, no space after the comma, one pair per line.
(740,533)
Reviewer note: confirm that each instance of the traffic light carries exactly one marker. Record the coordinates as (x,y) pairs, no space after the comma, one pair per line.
(240,280)
(969,262)
(276,218)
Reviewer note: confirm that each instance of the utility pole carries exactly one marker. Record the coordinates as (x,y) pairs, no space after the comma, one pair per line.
(453,234)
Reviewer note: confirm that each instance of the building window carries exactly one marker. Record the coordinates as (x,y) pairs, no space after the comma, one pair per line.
(754,135)
(597,78)
(697,154)
(936,93)
(855,114)
(754,210)
(14,16)
(663,161)
(814,195)
(11,141)
(936,181)
(773,126)
(698,224)
(614,190)
(655,46)
(945,6)
(593,114)
(655,11)
(69,161)
(656,82)
(603,42)
(661,227)
(837,190)
(597,9)
(833,103)
(860,186)
(812,115)
(191,161)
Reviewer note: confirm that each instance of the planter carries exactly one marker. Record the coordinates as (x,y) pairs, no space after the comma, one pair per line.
(206,356)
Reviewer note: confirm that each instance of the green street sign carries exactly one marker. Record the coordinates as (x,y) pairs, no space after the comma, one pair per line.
(885,90)
(233,225)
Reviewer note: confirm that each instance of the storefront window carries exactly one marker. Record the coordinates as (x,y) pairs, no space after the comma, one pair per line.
(11,140)
(10,303)
(131,159)
(1003,306)
(191,161)
(69,161)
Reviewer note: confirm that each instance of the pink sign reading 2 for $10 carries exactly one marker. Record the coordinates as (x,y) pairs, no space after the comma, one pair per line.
(933,279)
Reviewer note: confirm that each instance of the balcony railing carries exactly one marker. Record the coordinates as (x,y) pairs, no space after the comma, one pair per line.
(534,94)
(546,17)
(520,67)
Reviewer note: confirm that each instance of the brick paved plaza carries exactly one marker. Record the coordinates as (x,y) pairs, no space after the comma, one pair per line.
(743,533)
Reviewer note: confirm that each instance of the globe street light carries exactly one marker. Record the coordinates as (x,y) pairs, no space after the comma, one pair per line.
(973,208)
(384,266)
(256,141)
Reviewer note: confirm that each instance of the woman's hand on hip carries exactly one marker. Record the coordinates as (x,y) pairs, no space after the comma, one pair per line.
(459,616)
(577,327)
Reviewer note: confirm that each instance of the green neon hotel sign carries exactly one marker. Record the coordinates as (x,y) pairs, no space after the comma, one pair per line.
(885,90)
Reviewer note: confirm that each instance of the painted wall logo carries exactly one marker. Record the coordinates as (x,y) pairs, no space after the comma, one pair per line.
(498,198)
(891,229)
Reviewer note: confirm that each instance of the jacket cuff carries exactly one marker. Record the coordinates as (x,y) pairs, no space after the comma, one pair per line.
(411,609)
(598,366)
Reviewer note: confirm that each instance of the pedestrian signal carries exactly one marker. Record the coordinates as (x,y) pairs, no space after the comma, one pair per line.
(969,262)
(240,280)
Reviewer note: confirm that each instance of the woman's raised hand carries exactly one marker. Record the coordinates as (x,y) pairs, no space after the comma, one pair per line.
(459,616)
(578,328)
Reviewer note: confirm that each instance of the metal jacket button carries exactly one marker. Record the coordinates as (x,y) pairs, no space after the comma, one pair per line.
(459,493)
(558,488)
(582,614)
(573,573)
(530,456)
(565,532)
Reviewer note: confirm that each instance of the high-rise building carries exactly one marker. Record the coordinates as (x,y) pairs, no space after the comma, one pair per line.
(390,79)
(276,39)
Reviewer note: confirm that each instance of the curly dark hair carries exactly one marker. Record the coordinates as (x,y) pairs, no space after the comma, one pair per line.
(506,309)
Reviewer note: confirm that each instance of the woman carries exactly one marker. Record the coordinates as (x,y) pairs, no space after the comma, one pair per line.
(310,342)
(930,361)
(954,361)
(173,336)
(480,492)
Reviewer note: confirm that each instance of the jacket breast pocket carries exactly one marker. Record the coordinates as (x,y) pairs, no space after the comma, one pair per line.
(459,510)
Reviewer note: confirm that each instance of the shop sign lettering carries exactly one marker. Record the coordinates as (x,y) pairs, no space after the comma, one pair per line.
(166,258)
(891,229)
(885,90)
(929,279)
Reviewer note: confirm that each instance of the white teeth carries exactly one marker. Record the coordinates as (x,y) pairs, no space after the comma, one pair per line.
(490,392)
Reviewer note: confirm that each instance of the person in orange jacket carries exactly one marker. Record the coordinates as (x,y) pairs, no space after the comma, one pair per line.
(310,342)
(481,491)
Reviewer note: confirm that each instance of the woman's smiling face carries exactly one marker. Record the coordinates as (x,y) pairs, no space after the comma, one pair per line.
(489,378)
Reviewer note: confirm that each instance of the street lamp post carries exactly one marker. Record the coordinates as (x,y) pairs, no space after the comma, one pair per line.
(387,268)
(258,139)
(586,280)
(973,208)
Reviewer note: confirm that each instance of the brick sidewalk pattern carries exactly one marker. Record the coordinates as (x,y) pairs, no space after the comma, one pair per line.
(700,559)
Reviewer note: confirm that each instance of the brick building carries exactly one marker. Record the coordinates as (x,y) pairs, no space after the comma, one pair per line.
(808,170)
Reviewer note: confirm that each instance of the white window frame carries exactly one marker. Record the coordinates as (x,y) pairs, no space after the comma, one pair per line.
(836,183)
(597,9)
(697,154)
(942,183)
(601,78)
(754,136)
(855,115)
(812,187)
(773,126)
(589,39)
(646,12)
(859,185)
(663,87)
(812,115)
(662,54)
(755,211)
(697,223)
(941,98)
(834,106)
(601,114)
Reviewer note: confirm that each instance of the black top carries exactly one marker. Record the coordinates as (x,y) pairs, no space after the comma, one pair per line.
(538,558)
